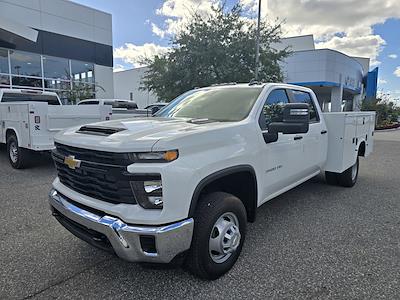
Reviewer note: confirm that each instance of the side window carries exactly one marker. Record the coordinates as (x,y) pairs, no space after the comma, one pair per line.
(273,108)
(304,97)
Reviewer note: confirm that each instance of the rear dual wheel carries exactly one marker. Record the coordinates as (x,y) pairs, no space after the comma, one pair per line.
(347,179)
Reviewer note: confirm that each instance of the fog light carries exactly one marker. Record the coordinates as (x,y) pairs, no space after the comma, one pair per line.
(148,193)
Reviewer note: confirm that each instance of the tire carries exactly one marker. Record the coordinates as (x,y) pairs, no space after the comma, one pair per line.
(331,178)
(349,177)
(17,156)
(229,214)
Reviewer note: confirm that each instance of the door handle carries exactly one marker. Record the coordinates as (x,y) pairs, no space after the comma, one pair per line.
(324,132)
(298,138)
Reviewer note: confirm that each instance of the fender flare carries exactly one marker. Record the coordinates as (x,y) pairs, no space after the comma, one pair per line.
(220,174)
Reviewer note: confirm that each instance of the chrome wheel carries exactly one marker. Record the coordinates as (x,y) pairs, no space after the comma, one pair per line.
(13,152)
(224,238)
(354,171)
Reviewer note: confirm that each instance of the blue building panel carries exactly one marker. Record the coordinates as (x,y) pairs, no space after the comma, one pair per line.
(372,84)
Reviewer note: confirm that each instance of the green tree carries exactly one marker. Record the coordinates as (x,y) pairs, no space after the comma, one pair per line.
(216,49)
(81,91)
(387,113)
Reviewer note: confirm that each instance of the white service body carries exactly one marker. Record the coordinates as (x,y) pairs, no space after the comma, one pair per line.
(36,123)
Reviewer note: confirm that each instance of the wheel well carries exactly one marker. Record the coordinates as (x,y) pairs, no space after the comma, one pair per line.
(238,181)
(9,133)
(361,149)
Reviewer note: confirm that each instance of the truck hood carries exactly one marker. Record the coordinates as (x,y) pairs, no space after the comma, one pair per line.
(134,135)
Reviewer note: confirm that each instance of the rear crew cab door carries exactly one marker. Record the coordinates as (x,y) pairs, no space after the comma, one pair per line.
(282,161)
(315,140)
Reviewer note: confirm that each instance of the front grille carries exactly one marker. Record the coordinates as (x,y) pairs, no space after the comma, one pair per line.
(103,157)
(105,180)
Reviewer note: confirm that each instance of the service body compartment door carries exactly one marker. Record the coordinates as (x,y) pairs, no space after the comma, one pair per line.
(15,117)
(346,131)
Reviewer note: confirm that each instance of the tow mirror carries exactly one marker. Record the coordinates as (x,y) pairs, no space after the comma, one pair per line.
(296,118)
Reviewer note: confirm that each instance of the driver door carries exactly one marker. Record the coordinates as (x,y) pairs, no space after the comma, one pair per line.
(282,160)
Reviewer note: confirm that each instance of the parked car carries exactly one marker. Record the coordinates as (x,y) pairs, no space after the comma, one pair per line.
(121,109)
(184,184)
(115,103)
(29,119)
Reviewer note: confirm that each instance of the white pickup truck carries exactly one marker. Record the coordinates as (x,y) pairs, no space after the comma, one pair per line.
(184,184)
(30,119)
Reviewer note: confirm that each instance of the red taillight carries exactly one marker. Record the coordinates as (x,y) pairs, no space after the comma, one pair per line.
(37,119)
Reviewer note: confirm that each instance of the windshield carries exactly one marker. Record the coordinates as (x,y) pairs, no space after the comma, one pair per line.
(219,104)
(11,97)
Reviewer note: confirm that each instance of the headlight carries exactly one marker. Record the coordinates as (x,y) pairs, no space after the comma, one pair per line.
(160,156)
(148,192)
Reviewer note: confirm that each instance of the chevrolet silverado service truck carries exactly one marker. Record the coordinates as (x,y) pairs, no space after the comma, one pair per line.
(30,119)
(183,185)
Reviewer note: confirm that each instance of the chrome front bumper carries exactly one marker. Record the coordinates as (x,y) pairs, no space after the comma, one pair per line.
(125,240)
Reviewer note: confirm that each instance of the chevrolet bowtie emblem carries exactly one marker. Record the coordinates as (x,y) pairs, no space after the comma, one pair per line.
(71,162)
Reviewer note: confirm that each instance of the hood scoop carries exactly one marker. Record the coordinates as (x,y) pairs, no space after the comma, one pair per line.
(99,130)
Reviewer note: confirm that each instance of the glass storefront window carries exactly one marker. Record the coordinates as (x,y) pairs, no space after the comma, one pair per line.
(57,68)
(4,61)
(26,81)
(34,71)
(5,80)
(24,63)
(57,84)
(82,71)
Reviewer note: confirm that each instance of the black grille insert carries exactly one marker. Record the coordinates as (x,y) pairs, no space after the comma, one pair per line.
(106,180)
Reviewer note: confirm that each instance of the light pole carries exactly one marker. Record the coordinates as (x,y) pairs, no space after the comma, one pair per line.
(258,41)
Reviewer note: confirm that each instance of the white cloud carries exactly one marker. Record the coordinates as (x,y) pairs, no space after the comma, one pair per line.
(157,30)
(134,55)
(179,12)
(397,72)
(382,81)
(394,56)
(118,68)
(344,25)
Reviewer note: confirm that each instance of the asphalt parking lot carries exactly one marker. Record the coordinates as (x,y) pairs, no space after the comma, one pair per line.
(314,242)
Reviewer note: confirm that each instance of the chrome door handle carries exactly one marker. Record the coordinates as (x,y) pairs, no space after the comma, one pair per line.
(298,138)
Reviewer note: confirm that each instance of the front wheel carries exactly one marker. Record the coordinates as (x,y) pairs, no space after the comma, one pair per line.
(219,233)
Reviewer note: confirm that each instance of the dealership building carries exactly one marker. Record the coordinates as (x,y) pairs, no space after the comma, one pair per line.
(59,45)
(55,45)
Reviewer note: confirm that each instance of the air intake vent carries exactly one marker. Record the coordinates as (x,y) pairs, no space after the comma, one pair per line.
(97,130)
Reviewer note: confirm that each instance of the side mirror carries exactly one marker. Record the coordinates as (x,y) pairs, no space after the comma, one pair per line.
(296,118)
(154,109)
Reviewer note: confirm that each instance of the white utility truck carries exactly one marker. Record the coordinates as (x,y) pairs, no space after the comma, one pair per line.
(184,184)
(30,119)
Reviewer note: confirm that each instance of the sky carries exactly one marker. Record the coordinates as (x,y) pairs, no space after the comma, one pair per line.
(366,28)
